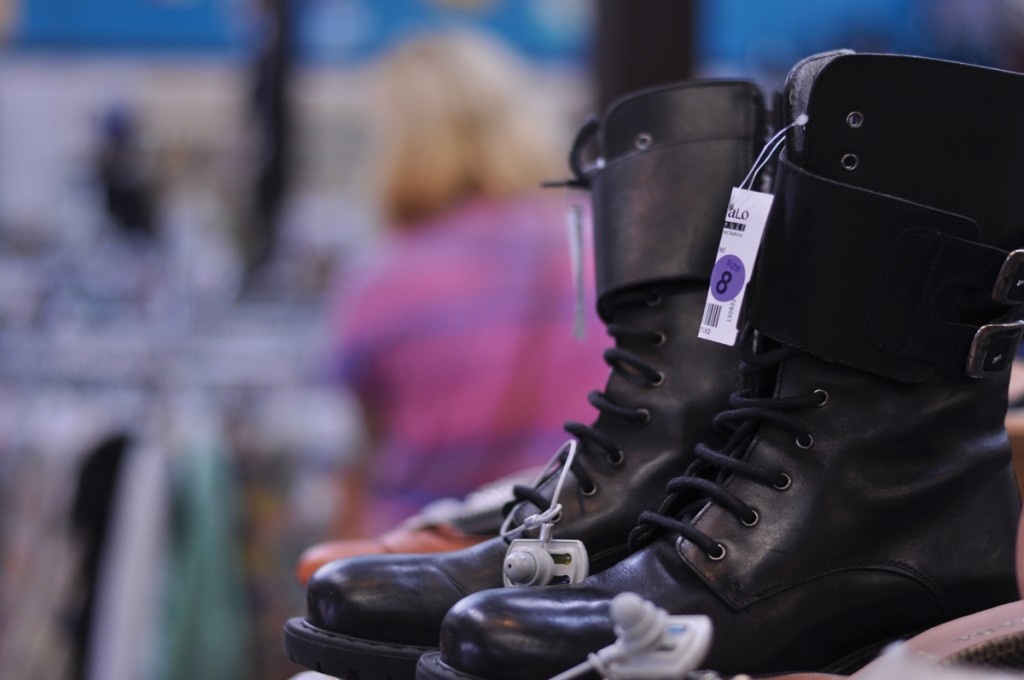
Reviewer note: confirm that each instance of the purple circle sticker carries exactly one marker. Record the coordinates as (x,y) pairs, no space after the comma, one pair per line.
(727,278)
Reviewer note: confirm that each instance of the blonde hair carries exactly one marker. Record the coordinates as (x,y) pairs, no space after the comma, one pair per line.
(454,121)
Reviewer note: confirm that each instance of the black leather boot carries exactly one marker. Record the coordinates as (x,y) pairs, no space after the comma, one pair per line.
(866,490)
(670,156)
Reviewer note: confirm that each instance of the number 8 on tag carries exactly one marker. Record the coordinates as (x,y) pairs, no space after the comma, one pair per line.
(727,278)
(737,251)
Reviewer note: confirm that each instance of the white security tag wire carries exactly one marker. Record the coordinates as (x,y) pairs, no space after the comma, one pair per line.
(769,150)
(649,645)
(554,511)
(744,224)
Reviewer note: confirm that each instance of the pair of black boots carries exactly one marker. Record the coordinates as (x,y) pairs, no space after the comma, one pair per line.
(856,485)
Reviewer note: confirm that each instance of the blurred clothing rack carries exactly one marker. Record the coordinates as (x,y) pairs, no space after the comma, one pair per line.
(234,432)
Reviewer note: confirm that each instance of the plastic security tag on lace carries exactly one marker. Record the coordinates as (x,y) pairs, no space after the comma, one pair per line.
(650,644)
(745,220)
(575,222)
(546,561)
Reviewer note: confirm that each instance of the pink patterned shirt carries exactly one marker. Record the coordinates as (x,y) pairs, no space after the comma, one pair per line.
(457,339)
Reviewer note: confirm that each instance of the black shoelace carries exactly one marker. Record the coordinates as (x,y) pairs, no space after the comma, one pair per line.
(704,480)
(630,367)
(626,363)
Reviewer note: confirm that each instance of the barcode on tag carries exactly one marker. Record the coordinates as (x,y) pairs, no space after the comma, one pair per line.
(712,314)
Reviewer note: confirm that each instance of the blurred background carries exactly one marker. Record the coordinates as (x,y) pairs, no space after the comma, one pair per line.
(183,189)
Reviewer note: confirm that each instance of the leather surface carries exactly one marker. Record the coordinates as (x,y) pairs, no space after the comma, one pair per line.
(399,598)
(699,375)
(939,133)
(939,644)
(902,513)
(873,281)
(702,124)
(402,599)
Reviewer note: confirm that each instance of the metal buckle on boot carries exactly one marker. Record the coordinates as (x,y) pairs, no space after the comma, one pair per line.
(1009,288)
(993,348)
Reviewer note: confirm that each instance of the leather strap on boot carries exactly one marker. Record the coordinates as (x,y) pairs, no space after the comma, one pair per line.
(939,133)
(705,125)
(884,285)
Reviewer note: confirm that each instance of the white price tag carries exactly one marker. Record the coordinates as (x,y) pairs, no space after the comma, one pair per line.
(737,251)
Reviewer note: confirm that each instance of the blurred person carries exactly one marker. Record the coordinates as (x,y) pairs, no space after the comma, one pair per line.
(456,337)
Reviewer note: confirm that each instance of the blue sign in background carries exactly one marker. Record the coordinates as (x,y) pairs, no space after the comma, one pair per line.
(332,31)
(134,24)
(732,37)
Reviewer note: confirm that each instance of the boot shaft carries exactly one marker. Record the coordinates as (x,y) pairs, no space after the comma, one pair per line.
(670,157)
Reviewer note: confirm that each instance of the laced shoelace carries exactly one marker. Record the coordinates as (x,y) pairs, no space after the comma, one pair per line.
(635,369)
(704,481)
(630,367)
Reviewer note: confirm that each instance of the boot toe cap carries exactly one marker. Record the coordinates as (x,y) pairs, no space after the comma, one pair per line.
(398,598)
(505,634)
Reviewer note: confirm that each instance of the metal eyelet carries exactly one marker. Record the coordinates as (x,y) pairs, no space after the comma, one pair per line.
(659,339)
(645,416)
(755,520)
(654,300)
(805,441)
(855,119)
(849,162)
(617,457)
(714,558)
(786,482)
(643,140)
(659,381)
(589,492)
(822,397)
